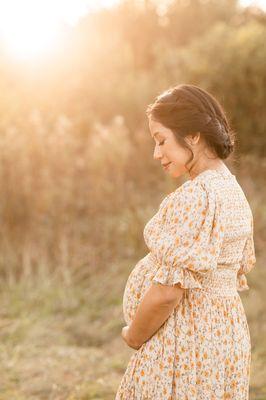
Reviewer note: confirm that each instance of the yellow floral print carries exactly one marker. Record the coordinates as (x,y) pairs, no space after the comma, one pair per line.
(201,237)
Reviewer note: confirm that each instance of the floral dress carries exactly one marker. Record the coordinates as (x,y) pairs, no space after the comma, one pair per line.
(202,238)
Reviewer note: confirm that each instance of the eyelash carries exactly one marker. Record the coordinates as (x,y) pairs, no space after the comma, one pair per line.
(160,144)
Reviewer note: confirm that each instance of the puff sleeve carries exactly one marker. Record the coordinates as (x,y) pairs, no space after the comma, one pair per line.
(189,240)
(247,263)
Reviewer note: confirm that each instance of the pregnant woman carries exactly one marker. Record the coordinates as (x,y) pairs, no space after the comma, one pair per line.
(184,315)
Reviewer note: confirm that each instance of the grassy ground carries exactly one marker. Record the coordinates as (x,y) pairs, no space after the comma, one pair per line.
(62,342)
(59,341)
(60,335)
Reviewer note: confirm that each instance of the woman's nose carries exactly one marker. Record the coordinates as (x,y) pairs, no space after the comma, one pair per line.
(157,153)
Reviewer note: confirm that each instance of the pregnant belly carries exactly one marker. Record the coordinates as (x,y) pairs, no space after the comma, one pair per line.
(137,284)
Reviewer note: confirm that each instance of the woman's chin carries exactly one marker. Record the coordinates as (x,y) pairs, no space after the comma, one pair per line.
(177,173)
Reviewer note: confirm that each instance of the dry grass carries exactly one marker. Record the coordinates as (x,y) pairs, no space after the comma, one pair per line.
(72,216)
(63,342)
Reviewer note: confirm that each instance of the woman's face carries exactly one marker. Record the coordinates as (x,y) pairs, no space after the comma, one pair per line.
(168,150)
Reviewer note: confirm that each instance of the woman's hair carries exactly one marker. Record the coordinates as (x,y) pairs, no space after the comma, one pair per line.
(187,109)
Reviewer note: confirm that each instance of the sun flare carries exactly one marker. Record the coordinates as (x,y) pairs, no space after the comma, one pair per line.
(27,28)
(30,28)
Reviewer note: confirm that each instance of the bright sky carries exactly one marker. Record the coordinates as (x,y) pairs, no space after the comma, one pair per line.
(30,28)
(260,3)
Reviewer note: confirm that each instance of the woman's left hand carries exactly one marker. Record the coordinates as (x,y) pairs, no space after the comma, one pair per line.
(126,336)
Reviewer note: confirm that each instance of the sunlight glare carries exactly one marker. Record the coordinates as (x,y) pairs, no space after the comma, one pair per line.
(30,28)
(27,28)
(257,3)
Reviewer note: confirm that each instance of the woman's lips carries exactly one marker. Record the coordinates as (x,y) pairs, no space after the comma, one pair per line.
(166,166)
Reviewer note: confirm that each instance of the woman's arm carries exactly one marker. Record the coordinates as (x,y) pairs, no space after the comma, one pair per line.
(154,309)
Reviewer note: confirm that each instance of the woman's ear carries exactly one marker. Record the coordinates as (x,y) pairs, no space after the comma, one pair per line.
(193,138)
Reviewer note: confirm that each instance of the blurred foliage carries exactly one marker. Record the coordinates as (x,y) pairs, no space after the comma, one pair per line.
(75,151)
(230,62)
(116,60)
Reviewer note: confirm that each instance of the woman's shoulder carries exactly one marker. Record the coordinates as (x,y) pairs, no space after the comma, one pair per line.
(190,188)
(209,181)
(205,186)
(189,193)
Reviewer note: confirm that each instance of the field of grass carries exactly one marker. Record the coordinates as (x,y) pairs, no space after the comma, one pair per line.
(60,337)
(63,342)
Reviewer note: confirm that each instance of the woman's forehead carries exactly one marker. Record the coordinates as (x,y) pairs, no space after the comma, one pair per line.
(157,127)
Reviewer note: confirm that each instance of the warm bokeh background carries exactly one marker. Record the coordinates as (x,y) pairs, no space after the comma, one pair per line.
(78,181)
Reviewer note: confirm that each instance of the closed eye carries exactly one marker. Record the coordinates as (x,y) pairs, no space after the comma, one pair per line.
(160,144)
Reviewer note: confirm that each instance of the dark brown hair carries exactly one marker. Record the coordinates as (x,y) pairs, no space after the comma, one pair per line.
(187,109)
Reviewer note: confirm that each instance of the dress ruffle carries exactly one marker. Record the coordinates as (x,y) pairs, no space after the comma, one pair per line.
(241,283)
(248,262)
(167,276)
(185,249)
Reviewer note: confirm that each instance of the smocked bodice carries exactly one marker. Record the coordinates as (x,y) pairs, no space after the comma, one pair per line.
(201,237)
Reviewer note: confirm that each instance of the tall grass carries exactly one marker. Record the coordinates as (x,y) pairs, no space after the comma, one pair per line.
(67,201)
(73,208)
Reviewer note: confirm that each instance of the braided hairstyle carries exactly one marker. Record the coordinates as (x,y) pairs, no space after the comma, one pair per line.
(186,109)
